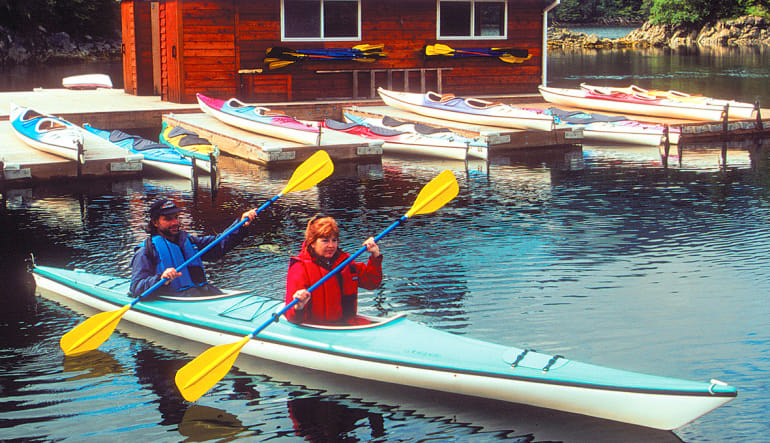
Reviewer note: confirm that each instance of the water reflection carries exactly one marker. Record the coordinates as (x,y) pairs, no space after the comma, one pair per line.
(735,72)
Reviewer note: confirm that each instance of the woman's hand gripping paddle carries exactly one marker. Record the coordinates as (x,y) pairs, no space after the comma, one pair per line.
(91,333)
(198,376)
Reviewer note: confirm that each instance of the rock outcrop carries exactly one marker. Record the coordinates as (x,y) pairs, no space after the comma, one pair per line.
(744,31)
(42,47)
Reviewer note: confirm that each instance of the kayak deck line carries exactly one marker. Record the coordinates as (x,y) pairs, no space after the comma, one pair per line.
(397,350)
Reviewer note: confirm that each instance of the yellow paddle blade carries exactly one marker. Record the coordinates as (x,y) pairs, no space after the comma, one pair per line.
(435,194)
(438,49)
(369,48)
(316,168)
(91,333)
(514,59)
(198,376)
(279,64)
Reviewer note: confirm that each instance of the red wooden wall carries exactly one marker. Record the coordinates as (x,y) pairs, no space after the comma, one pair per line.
(204,44)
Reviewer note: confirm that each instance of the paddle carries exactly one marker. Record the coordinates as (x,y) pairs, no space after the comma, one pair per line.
(509,55)
(92,332)
(198,376)
(278,57)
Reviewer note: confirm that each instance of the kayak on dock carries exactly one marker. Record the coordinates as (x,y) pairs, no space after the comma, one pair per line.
(399,351)
(87,81)
(190,145)
(467,110)
(613,128)
(405,142)
(259,120)
(630,102)
(154,154)
(47,133)
(476,148)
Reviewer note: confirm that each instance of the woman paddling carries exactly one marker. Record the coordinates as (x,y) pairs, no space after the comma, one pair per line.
(336,301)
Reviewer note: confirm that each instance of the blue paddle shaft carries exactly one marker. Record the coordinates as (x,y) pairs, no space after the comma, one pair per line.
(333,272)
(204,250)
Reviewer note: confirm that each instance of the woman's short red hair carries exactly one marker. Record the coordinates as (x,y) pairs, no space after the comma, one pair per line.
(321,226)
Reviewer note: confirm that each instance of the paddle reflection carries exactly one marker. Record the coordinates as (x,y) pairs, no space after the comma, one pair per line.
(91,365)
(325,419)
(204,423)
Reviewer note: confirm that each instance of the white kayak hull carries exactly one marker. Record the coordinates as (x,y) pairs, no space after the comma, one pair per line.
(678,110)
(670,404)
(508,117)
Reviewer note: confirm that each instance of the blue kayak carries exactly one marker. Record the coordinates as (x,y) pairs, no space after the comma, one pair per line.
(397,350)
(154,154)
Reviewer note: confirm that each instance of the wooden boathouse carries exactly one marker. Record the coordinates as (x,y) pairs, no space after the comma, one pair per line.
(258,50)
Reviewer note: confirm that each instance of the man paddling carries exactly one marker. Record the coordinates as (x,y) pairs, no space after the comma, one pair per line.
(169,246)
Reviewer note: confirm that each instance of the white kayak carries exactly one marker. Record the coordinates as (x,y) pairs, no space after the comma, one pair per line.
(87,81)
(467,110)
(629,102)
(402,352)
(47,133)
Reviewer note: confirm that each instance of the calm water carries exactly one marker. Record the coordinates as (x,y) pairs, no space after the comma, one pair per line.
(600,254)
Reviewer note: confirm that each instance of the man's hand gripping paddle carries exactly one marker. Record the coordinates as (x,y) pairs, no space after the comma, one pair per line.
(91,333)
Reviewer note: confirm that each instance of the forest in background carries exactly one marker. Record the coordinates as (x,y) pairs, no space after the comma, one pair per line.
(687,13)
(80,18)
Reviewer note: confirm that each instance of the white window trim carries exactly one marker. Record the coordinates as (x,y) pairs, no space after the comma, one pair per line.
(322,38)
(473,22)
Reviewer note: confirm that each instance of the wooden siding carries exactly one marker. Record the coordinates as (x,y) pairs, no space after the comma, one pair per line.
(404,27)
(137,48)
(204,43)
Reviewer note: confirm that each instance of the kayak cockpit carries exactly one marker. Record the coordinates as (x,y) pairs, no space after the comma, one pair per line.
(360,322)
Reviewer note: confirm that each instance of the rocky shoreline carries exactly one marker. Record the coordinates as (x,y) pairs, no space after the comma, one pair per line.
(43,47)
(747,31)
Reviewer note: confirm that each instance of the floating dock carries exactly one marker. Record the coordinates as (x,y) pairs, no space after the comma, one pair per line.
(21,163)
(271,151)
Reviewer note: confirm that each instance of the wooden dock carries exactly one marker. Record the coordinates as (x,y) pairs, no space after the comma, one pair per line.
(271,151)
(22,164)
(102,108)
(498,139)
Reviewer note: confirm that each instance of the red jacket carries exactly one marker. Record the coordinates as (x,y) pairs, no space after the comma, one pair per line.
(337,299)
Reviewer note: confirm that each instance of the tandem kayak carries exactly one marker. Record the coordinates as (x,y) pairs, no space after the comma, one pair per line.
(190,145)
(47,133)
(405,142)
(154,154)
(468,110)
(607,99)
(397,350)
(259,120)
(475,148)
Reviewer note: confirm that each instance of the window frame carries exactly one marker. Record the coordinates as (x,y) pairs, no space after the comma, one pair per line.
(321,38)
(504,35)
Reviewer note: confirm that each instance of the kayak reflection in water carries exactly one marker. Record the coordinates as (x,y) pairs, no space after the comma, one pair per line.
(169,246)
(336,301)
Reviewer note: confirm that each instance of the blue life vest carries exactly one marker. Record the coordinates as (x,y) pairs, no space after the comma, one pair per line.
(171,256)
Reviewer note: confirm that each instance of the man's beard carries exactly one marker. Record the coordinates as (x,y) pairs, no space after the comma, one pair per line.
(169,234)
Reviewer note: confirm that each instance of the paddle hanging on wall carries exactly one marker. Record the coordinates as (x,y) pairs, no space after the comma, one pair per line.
(508,55)
(278,57)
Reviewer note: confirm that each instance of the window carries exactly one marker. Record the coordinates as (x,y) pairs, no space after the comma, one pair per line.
(475,19)
(321,20)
